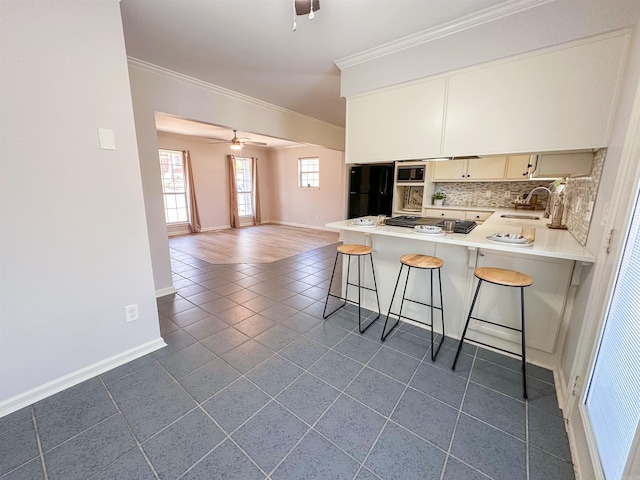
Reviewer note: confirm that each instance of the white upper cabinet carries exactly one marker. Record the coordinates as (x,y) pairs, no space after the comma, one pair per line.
(397,124)
(453,170)
(486,168)
(518,167)
(471,170)
(562,99)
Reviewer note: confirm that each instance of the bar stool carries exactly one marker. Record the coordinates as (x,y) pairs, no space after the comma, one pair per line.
(358,251)
(423,262)
(505,278)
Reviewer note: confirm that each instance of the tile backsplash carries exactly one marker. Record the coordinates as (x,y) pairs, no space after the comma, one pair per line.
(580,196)
(502,194)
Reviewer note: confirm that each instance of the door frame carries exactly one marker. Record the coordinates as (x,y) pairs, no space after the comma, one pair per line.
(607,263)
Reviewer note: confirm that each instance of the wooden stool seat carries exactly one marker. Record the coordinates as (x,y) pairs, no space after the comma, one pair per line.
(421,261)
(501,276)
(354,249)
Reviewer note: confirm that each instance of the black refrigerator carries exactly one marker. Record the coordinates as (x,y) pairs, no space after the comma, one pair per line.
(370,190)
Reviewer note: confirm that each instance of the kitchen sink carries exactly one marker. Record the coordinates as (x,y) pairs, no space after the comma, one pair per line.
(521,217)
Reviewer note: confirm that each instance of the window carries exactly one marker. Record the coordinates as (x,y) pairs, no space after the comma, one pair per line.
(614,388)
(244,186)
(174,188)
(309,172)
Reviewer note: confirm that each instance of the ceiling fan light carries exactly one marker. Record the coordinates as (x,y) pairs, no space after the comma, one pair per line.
(236,145)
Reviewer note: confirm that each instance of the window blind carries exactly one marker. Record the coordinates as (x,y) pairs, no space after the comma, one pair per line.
(613,396)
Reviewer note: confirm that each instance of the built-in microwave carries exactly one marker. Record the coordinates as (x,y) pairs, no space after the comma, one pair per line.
(409,173)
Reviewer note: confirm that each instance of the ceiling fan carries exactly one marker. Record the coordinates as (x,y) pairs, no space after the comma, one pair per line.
(237,142)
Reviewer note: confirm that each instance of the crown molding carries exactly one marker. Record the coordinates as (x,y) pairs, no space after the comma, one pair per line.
(470,21)
(165,72)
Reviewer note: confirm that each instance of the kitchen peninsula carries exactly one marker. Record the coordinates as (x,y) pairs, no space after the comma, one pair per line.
(554,261)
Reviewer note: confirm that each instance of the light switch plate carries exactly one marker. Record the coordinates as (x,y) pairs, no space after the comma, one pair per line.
(107,139)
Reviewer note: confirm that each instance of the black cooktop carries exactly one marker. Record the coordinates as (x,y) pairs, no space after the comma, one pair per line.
(461,226)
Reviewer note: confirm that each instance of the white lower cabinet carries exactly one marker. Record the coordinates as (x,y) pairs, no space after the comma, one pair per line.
(544,301)
(477,216)
(454,214)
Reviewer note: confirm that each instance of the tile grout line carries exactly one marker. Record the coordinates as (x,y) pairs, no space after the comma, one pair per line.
(526,436)
(299,418)
(388,419)
(455,426)
(341,392)
(138,444)
(305,370)
(37,431)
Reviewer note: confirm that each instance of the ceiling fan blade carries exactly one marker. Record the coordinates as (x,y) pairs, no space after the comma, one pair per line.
(255,143)
(218,139)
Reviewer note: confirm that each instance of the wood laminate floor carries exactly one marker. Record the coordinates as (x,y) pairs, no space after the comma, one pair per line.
(254,244)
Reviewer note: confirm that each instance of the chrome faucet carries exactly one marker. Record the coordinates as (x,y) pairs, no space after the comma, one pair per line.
(547,209)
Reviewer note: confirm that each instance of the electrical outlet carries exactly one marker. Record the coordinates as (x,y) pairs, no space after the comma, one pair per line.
(589,212)
(507,194)
(131,313)
(487,194)
(317,216)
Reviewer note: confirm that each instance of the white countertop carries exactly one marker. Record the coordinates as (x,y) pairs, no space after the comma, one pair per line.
(548,243)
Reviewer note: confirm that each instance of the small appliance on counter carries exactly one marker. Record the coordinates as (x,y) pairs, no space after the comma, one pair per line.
(461,226)
(557,211)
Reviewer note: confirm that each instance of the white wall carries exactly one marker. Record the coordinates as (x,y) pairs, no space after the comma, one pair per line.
(74,240)
(606,190)
(157,90)
(211,176)
(303,206)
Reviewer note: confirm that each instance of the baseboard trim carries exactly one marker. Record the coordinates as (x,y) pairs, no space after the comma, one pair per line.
(214,229)
(165,291)
(303,225)
(50,388)
(561,389)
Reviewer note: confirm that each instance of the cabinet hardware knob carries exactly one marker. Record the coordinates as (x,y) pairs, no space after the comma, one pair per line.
(481,254)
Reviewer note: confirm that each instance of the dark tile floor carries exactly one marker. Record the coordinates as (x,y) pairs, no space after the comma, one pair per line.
(254,384)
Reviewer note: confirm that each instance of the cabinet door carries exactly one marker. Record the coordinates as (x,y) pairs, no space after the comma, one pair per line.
(397,124)
(451,170)
(486,168)
(518,167)
(549,101)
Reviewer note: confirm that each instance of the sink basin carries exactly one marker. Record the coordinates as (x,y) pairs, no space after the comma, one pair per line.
(521,217)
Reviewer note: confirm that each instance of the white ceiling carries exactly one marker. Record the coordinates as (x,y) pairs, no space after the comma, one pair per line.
(181,126)
(248,46)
